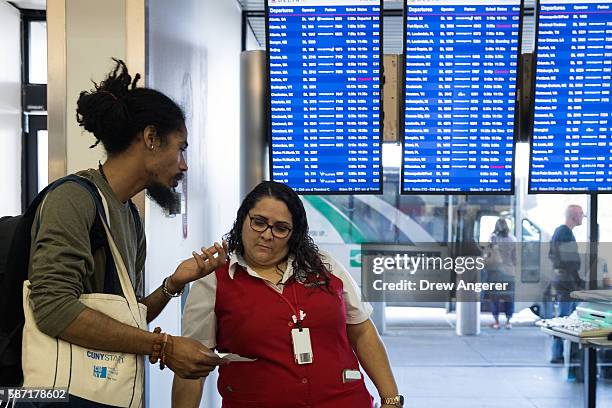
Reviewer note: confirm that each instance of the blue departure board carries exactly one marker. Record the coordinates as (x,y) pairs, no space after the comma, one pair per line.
(571,147)
(459,96)
(324,62)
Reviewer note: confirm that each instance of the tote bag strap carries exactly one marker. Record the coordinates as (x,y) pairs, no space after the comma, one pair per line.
(124,277)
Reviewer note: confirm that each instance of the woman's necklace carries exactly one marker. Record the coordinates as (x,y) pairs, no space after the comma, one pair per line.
(279,270)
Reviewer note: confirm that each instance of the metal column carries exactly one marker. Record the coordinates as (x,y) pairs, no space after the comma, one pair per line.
(253,120)
(590,353)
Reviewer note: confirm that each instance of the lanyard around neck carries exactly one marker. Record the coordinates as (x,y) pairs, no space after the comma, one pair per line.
(297,313)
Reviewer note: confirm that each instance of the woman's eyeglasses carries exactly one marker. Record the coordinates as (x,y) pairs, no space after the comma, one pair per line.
(260,225)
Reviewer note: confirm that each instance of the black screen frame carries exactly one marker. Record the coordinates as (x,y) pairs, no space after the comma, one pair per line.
(380,110)
(516,129)
(530,190)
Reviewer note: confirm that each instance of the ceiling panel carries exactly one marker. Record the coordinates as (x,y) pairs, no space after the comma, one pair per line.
(30,4)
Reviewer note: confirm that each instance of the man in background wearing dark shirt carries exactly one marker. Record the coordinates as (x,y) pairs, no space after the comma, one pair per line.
(566,263)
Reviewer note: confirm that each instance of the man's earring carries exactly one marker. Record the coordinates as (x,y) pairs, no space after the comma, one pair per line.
(151,147)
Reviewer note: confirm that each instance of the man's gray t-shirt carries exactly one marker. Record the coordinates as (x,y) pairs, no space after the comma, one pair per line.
(62,267)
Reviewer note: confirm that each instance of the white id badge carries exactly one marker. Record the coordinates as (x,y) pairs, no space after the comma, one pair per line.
(302,349)
(349,375)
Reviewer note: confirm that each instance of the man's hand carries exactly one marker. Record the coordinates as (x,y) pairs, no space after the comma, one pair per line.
(198,266)
(188,358)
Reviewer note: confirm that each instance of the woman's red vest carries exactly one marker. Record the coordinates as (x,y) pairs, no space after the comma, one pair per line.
(255,322)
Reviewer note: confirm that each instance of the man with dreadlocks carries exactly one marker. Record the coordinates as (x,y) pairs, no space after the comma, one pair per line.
(143,133)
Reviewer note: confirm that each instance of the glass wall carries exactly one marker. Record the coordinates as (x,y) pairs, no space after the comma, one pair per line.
(513,364)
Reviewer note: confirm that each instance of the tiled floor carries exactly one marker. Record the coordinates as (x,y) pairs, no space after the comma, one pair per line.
(435,368)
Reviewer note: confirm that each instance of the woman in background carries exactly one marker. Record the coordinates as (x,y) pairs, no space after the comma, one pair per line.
(501,265)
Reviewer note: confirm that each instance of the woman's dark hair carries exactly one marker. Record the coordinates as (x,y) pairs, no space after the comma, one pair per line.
(501,228)
(115,111)
(307,264)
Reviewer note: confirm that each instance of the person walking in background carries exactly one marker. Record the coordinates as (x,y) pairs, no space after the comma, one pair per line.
(564,256)
(501,264)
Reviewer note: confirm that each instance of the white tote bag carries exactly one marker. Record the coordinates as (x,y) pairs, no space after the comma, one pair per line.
(110,378)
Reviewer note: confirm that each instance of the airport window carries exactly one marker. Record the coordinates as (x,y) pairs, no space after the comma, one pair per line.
(37,52)
(34,101)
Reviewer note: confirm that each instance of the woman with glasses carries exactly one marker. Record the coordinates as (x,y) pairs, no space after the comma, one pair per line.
(291,308)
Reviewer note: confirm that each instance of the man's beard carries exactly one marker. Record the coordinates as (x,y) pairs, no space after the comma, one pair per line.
(167,198)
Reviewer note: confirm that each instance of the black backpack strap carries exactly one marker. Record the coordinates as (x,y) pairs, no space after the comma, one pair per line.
(98,240)
(136,215)
(82,181)
(87,185)
(5,342)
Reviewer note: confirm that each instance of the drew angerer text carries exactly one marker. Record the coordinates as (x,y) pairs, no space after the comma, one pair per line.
(425,285)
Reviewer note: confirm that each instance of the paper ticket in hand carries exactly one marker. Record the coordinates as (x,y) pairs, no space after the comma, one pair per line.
(235,358)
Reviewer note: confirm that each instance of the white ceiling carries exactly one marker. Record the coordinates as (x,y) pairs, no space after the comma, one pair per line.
(30,4)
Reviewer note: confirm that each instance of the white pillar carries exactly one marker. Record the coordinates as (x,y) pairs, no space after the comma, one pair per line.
(10,110)
(83,35)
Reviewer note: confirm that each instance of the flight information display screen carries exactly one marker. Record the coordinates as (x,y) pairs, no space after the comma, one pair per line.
(324,62)
(571,147)
(459,96)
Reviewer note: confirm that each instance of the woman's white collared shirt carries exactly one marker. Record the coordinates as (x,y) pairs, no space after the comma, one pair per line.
(200,322)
